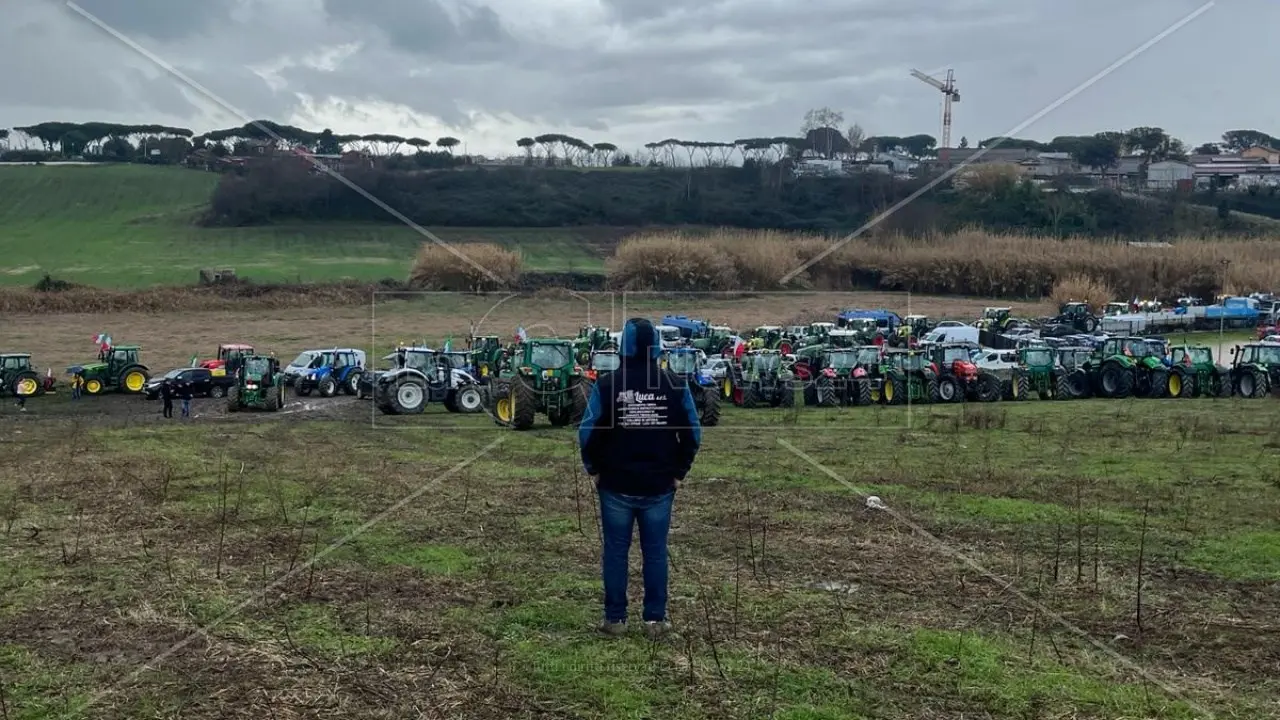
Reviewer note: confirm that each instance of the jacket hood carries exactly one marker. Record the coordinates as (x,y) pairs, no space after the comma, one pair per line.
(640,340)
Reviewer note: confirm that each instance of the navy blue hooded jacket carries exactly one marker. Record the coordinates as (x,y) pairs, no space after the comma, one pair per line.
(641,431)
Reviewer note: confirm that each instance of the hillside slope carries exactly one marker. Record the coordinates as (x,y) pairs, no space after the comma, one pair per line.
(133,226)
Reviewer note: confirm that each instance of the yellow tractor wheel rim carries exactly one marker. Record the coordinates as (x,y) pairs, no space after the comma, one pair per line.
(888,392)
(1013,390)
(875,395)
(506,409)
(1175,386)
(93,387)
(134,381)
(728,387)
(27,386)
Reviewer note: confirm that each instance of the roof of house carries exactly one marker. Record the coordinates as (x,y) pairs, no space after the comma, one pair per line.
(1011,155)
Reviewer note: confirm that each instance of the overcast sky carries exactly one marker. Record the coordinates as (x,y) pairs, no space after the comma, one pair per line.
(635,71)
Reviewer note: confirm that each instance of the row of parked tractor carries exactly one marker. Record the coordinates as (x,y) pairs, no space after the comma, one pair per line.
(865,357)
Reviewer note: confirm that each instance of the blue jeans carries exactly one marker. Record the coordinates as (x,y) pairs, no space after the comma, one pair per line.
(618,514)
(186,407)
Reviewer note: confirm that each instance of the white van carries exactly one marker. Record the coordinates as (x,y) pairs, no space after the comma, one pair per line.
(952,333)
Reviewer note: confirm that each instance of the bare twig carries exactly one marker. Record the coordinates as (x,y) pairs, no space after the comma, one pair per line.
(1142,556)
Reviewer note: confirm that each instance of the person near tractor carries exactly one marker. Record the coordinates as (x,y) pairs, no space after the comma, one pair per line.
(638,437)
(166,393)
(77,386)
(184,394)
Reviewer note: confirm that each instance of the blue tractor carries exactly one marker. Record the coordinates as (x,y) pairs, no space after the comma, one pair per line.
(331,372)
(688,363)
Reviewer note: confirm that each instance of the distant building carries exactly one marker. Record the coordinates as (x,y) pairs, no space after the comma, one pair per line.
(1262,153)
(1170,175)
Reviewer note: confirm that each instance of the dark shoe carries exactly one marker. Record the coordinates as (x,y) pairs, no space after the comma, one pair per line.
(656,629)
(613,629)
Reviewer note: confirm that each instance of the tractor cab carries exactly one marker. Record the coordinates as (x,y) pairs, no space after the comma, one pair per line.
(603,361)
(843,338)
(1037,358)
(120,357)
(1116,308)
(995,318)
(230,357)
(1073,309)
(14,363)
(486,354)
(917,325)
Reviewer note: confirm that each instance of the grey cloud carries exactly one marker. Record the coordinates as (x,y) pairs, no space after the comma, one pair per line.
(425,27)
(160,19)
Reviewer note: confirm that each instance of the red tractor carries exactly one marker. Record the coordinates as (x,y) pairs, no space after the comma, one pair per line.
(230,357)
(959,377)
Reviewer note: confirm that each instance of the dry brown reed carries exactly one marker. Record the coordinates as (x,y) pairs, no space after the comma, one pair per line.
(1082,288)
(968,263)
(469,267)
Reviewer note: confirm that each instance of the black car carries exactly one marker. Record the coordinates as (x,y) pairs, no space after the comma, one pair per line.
(203,382)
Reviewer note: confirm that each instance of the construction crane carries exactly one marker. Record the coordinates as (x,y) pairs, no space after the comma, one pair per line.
(949,95)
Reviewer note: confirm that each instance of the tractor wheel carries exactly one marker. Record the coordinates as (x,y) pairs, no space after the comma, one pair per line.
(826,392)
(409,397)
(469,399)
(1158,384)
(895,391)
(750,396)
(787,395)
(1116,381)
(217,392)
(1182,385)
(233,400)
(300,388)
(1252,384)
(726,388)
(931,390)
(272,401)
(1090,324)
(133,379)
(524,403)
(1222,386)
(26,385)
(579,394)
(949,390)
(1078,380)
(862,392)
(710,408)
(280,399)
(93,386)
(328,387)
(810,394)
(451,401)
(1018,388)
(352,386)
(988,388)
(503,411)
(1062,389)
(877,391)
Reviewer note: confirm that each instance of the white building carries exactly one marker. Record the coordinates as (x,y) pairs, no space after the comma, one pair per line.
(1168,174)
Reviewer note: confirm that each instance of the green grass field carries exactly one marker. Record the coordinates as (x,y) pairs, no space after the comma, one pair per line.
(128,226)
(1091,559)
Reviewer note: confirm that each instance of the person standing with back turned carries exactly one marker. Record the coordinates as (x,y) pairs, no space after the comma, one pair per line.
(638,438)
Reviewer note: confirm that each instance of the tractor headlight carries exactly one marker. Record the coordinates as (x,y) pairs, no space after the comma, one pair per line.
(548,373)
(250,386)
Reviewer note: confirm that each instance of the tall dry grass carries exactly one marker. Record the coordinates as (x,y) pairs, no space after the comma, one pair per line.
(1082,288)
(967,263)
(469,267)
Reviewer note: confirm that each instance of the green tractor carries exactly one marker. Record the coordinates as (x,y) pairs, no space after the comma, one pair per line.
(591,339)
(117,369)
(1040,371)
(1194,373)
(1126,366)
(996,319)
(843,377)
(543,379)
(1255,369)
(259,385)
(17,376)
(760,377)
(904,376)
(717,339)
(486,352)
